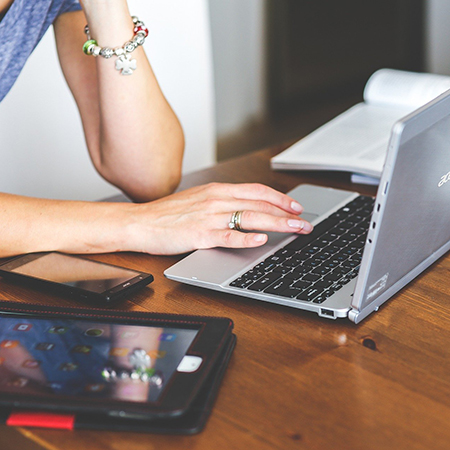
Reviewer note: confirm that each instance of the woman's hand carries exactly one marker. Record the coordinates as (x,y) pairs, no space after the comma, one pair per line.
(199,218)
(192,219)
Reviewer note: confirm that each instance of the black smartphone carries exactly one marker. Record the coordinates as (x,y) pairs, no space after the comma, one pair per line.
(106,363)
(74,276)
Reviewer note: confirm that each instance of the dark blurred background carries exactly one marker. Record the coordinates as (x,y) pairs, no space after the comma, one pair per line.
(284,67)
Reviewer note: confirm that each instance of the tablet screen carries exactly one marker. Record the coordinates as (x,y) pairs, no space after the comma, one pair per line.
(84,359)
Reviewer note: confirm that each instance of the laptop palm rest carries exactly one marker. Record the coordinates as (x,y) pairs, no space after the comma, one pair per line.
(219,265)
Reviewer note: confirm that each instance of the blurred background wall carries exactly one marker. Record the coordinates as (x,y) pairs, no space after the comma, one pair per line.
(437,37)
(42,147)
(241,75)
(284,67)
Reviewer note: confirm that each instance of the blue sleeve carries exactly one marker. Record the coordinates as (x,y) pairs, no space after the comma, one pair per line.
(70,5)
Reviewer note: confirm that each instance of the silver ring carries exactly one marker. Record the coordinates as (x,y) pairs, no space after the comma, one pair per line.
(235,221)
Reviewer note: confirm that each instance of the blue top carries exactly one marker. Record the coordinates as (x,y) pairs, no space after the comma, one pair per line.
(21,29)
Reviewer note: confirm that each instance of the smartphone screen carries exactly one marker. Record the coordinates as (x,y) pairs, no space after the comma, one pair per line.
(74,272)
(78,277)
(77,358)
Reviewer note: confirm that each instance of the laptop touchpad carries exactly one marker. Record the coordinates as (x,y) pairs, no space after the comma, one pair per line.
(317,200)
(309,217)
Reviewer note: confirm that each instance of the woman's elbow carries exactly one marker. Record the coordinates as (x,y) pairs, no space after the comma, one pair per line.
(154,177)
(152,186)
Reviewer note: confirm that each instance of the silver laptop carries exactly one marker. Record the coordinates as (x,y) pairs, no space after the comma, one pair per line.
(362,250)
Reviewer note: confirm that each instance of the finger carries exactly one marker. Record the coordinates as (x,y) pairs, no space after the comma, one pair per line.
(236,239)
(256,206)
(260,191)
(217,205)
(254,220)
(256,191)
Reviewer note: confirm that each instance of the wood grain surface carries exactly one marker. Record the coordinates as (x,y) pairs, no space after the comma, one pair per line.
(295,381)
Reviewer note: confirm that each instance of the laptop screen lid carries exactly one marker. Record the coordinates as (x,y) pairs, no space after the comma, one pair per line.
(410,224)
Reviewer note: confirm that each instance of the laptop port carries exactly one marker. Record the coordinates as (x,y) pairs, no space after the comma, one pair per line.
(326,313)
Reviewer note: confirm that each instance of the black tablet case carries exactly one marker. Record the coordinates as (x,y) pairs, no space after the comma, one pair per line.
(191,422)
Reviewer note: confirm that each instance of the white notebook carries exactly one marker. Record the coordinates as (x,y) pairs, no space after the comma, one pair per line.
(357,140)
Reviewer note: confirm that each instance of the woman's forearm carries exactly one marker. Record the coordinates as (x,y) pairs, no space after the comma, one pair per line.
(134,138)
(32,225)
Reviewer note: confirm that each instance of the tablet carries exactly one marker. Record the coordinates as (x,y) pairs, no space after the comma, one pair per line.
(126,365)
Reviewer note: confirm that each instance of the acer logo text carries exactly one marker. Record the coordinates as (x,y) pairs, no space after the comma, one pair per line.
(444,179)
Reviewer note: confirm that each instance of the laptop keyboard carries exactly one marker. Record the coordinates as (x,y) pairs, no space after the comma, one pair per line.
(313,267)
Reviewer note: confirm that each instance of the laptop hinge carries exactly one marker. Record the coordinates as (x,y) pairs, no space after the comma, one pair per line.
(356,316)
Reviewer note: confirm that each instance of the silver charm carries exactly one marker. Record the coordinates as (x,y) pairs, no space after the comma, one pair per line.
(106,52)
(125,64)
(129,46)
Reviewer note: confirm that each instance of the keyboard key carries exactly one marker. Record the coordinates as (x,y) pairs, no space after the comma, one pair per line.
(330,264)
(311,277)
(332,276)
(309,294)
(279,286)
(320,299)
(265,266)
(295,274)
(340,243)
(323,284)
(330,236)
(275,259)
(314,266)
(290,293)
(350,250)
(341,256)
(311,263)
(319,271)
(283,270)
(350,264)
(253,274)
(301,285)
(265,281)
(241,283)
(306,239)
(359,244)
(341,270)
(333,249)
(290,264)
(356,257)
(323,256)
(360,230)
(285,252)
(348,224)
(311,249)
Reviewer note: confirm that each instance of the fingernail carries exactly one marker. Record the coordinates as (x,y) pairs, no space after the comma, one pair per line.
(300,225)
(260,237)
(296,224)
(307,227)
(297,207)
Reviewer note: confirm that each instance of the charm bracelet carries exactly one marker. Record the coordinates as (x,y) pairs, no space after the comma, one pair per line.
(124,64)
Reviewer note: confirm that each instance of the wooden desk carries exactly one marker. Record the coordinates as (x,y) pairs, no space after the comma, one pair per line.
(296,381)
